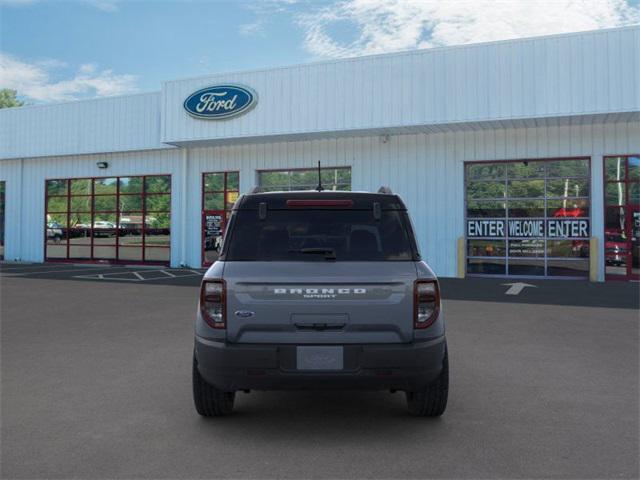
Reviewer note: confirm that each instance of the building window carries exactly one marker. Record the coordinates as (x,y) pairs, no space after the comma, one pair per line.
(119,219)
(334,178)
(528,218)
(2,187)
(622,217)
(220,190)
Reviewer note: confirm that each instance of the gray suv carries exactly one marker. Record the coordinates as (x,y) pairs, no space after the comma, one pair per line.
(316,290)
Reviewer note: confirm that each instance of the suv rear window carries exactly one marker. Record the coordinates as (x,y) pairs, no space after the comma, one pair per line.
(318,235)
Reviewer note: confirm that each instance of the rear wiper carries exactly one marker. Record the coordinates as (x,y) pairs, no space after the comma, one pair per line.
(329,253)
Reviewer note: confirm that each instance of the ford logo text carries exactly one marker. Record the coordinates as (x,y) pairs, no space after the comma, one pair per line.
(220,102)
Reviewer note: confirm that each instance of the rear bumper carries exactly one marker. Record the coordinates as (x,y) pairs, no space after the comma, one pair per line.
(408,367)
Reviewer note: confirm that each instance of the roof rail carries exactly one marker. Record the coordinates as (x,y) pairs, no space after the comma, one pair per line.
(255,189)
(385,190)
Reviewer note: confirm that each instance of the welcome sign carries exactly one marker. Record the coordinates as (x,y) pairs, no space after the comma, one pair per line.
(528,228)
(220,102)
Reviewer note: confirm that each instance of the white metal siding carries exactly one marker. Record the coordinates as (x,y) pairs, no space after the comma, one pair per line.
(25,203)
(112,124)
(557,76)
(425,169)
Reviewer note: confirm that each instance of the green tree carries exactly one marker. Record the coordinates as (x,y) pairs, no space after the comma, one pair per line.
(8,98)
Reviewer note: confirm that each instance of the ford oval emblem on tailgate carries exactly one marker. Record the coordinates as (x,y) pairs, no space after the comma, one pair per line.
(244,313)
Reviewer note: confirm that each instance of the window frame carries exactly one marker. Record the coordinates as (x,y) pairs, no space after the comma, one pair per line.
(225,211)
(506,199)
(117,213)
(627,206)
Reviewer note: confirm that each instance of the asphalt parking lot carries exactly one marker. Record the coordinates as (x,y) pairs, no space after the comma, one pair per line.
(96,384)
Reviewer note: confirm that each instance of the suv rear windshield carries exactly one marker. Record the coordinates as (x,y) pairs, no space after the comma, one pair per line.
(319,235)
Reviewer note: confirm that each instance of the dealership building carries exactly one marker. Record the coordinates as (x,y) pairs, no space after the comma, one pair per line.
(517,158)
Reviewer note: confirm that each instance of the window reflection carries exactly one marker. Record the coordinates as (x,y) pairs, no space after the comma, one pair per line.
(615,193)
(486,248)
(305,179)
(528,169)
(568,168)
(105,186)
(527,212)
(525,208)
(486,190)
(568,208)
(526,267)
(526,248)
(525,188)
(478,208)
(108,218)
(486,171)
(614,168)
(634,168)
(568,188)
(568,248)
(489,266)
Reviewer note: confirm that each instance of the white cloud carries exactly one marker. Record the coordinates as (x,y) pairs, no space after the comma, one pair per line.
(35,82)
(252,29)
(391,25)
(104,5)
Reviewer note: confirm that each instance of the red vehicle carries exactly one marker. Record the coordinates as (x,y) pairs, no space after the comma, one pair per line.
(569,212)
(615,247)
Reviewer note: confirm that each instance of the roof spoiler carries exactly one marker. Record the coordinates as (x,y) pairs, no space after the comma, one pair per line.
(385,190)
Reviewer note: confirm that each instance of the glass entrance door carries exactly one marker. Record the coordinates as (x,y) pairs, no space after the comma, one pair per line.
(219,193)
(622,217)
(213,226)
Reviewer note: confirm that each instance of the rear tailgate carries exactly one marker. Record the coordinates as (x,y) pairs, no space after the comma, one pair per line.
(356,302)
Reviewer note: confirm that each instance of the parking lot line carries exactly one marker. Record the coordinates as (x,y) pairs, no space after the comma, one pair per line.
(59,270)
(138,276)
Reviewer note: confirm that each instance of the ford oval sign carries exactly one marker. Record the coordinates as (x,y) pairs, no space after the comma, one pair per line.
(220,102)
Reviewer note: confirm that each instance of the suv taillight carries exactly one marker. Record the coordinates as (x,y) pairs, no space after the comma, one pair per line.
(213,303)
(426,303)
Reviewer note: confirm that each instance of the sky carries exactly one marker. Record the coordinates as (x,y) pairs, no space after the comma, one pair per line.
(54,50)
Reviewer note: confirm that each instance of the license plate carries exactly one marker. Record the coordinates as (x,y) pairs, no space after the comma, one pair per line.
(320,358)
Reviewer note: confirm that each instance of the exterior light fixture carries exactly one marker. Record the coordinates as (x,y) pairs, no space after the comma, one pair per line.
(102,164)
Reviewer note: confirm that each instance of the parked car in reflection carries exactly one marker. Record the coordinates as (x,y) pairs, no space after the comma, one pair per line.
(580,248)
(79,230)
(54,232)
(102,228)
(615,248)
(130,225)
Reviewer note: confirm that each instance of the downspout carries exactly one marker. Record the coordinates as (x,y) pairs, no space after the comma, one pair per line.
(22,224)
(183,207)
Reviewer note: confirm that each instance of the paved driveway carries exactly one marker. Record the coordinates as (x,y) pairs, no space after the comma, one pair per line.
(96,384)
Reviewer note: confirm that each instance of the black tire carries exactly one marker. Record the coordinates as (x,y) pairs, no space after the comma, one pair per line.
(431,402)
(209,401)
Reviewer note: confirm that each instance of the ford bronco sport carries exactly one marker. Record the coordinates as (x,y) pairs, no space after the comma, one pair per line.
(317,290)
